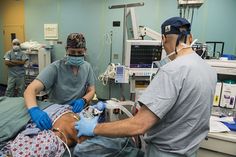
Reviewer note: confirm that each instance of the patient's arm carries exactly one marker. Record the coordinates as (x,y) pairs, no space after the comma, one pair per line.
(65,130)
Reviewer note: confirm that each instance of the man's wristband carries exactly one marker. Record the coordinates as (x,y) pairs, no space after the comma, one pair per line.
(85,101)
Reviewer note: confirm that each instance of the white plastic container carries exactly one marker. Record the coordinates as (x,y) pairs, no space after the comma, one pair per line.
(228,95)
(216,101)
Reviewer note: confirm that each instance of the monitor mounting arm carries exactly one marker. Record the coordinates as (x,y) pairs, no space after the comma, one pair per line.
(145,31)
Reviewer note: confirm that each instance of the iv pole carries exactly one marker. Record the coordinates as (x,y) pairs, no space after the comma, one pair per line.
(109,94)
(125,6)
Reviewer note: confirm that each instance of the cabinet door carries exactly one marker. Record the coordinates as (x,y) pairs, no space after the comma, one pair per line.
(209,153)
(44,58)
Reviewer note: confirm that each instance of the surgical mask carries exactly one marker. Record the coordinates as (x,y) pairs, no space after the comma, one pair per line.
(16,48)
(166,59)
(74,60)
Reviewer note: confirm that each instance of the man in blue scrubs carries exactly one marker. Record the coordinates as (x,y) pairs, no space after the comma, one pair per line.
(70,80)
(176,106)
(15,60)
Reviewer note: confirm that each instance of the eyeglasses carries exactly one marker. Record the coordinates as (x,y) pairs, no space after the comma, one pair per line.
(18,44)
(75,52)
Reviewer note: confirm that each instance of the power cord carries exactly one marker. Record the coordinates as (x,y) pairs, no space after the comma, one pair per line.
(110,73)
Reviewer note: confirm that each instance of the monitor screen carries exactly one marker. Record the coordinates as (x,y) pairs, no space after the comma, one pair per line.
(142,56)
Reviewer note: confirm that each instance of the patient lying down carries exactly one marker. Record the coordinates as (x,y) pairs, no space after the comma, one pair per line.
(34,142)
(51,142)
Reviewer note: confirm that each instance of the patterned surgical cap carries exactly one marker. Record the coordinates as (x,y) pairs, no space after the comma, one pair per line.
(76,40)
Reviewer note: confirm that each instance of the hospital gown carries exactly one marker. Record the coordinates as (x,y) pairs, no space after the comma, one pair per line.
(32,141)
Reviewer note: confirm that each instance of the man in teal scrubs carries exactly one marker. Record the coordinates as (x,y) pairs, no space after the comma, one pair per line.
(175,107)
(70,80)
(15,60)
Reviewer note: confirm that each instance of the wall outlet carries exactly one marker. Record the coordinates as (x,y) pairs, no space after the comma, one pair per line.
(115,56)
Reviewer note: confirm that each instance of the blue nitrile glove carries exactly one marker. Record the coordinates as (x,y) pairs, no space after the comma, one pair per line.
(77,105)
(40,118)
(100,106)
(85,126)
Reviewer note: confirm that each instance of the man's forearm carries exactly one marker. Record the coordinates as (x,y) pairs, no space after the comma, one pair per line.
(18,62)
(30,98)
(123,128)
(14,62)
(31,92)
(90,93)
(137,125)
(9,63)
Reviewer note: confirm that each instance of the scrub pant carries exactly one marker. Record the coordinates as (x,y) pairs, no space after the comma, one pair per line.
(164,154)
(15,83)
(157,153)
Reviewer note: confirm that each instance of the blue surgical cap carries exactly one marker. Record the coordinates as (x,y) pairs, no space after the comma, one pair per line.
(173,25)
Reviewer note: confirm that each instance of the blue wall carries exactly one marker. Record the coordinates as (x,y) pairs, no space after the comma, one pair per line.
(215,20)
